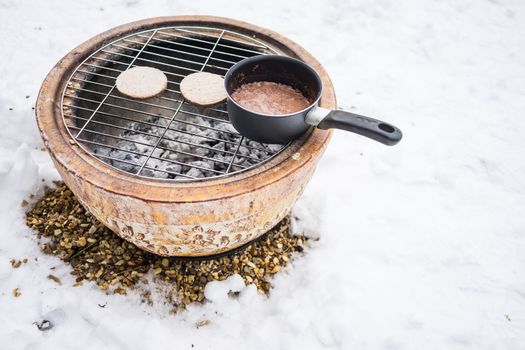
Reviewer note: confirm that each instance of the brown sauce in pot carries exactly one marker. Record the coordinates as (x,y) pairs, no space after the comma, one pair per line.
(270,98)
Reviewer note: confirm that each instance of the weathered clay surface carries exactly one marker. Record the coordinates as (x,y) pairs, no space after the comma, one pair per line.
(191,228)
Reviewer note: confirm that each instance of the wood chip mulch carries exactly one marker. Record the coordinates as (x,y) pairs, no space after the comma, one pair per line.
(96,254)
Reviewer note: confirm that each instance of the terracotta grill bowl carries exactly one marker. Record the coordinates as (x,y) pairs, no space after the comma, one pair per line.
(170,217)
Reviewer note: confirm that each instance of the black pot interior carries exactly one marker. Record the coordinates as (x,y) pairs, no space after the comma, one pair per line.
(277,69)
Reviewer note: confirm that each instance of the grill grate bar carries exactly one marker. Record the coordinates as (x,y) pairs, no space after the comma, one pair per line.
(160,139)
(207,42)
(162,117)
(115,62)
(101,67)
(147,145)
(166,136)
(200,47)
(146,167)
(113,115)
(134,65)
(87,81)
(113,136)
(147,60)
(107,60)
(178,109)
(116,126)
(178,51)
(145,113)
(166,56)
(110,91)
(143,155)
(97,74)
(211,36)
(166,108)
(115,77)
(161,97)
(159,126)
(212,50)
(235,155)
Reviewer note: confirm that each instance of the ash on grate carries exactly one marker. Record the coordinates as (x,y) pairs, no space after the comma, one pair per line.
(192,147)
(96,254)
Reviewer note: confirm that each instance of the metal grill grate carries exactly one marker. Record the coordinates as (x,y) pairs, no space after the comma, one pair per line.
(165,136)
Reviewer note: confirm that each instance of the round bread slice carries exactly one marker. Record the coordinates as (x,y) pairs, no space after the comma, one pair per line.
(141,82)
(203,89)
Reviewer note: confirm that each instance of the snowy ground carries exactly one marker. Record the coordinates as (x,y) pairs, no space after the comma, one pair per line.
(422,245)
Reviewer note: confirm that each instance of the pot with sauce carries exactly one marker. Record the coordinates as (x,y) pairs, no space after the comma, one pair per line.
(273,99)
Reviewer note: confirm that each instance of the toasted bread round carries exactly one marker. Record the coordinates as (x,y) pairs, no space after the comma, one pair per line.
(141,82)
(203,89)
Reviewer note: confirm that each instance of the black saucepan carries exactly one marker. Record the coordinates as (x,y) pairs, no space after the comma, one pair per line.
(287,127)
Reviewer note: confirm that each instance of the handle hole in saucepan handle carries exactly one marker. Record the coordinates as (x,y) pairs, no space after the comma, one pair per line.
(386,127)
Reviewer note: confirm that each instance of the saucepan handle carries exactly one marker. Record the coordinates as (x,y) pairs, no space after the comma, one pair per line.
(375,129)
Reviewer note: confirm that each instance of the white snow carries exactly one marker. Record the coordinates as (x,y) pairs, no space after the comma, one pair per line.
(217,291)
(421,245)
